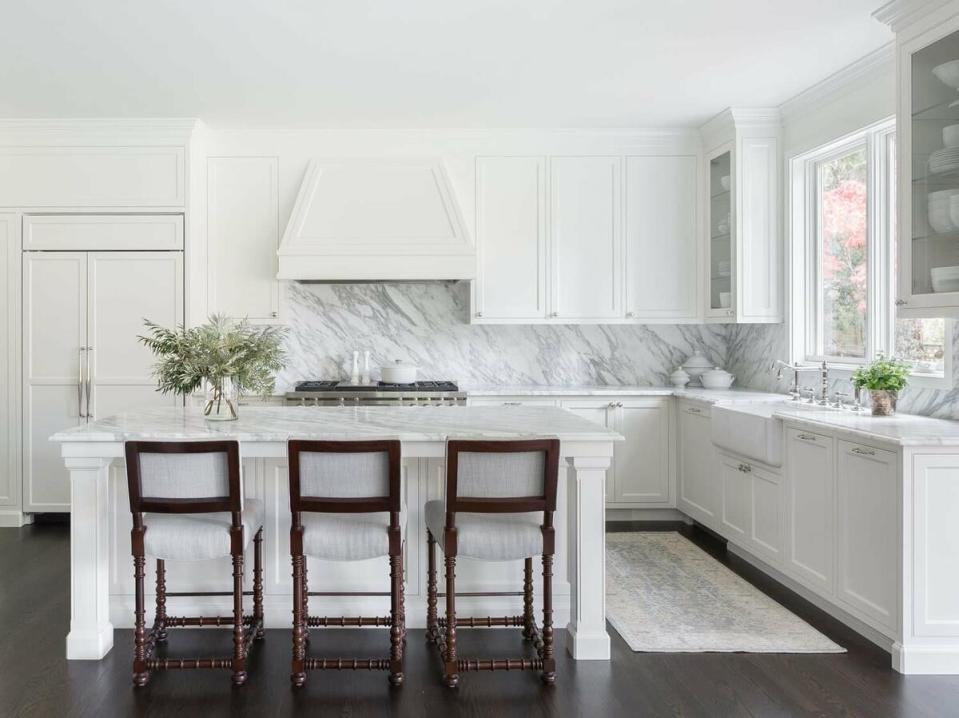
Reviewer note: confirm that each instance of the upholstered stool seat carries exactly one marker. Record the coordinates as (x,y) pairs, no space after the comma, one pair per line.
(348,537)
(198,537)
(490,537)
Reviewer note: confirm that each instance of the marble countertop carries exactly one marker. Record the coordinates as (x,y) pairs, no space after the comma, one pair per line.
(691,392)
(901,429)
(280,423)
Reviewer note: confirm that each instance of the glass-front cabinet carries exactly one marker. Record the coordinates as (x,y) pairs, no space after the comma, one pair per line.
(720,217)
(929,177)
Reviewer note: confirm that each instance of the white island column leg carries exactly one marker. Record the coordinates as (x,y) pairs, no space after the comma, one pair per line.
(91,633)
(586,481)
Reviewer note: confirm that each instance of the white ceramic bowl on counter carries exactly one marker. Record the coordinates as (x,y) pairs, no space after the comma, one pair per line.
(717,378)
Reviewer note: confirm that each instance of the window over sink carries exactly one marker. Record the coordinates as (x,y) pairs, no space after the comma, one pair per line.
(843,227)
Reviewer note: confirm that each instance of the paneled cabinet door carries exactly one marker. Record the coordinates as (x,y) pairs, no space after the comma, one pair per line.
(810,487)
(243,232)
(759,256)
(662,273)
(585,237)
(641,464)
(510,238)
(737,514)
(54,364)
(124,288)
(767,537)
(868,532)
(699,486)
(9,364)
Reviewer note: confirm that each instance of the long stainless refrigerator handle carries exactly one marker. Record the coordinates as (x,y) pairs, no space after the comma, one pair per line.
(80,386)
(89,382)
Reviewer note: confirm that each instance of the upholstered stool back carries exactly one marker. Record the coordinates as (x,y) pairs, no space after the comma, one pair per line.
(341,475)
(184,477)
(499,474)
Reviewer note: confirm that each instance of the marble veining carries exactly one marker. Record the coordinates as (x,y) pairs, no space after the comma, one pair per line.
(752,348)
(428,324)
(281,423)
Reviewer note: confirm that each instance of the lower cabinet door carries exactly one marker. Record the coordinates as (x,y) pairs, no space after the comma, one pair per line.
(737,500)
(867,530)
(699,483)
(641,463)
(810,486)
(767,529)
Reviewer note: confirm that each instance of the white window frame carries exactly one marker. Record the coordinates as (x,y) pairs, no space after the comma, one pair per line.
(805,294)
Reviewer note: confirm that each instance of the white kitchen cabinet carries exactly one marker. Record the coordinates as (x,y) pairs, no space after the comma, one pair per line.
(82,312)
(811,527)
(736,499)
(752,507)
(9,370)
(586,244)
(743,244)
(511,238)
(641,469)
(662,247)
(512,401)
(867,532)
(926,105)
(699,481)
(242,236)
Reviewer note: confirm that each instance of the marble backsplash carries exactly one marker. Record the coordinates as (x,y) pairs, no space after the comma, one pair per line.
(428,325)
(752,348)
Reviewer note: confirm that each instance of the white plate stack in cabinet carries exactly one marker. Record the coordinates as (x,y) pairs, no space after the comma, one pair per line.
(743,243)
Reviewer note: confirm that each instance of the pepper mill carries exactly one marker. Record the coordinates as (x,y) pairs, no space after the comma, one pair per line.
(366,367)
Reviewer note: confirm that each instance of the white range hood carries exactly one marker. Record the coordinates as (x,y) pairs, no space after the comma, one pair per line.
(378,219)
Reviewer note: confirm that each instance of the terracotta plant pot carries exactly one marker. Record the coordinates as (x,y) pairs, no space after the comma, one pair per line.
(883,402)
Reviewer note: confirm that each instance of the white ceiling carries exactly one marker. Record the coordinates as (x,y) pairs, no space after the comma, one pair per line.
(423,63)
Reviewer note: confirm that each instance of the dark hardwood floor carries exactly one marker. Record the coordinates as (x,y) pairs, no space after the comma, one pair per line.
(36,680)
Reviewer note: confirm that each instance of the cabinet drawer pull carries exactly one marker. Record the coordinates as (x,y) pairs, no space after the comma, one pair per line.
(807,437)
(512,403)
(863,452)
(694,410)
(745,468)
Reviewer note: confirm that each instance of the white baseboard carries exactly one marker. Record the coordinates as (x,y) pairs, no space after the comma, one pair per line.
(883,641)
(14,518)
(926,660)
(645,515)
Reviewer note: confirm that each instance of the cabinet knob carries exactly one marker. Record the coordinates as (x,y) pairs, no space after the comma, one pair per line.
(273,314)
(900,302)
(554,314)
(611,405)
(479,314)
(630,315)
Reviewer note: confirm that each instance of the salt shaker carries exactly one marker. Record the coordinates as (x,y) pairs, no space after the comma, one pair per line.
(355,374)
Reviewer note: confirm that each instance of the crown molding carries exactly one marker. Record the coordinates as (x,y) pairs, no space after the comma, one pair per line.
(898,14)
(154,129)
(876,62)
(724,126)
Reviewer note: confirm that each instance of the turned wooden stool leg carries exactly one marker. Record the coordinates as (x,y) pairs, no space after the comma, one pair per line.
(432,628)
(549,662)
(306,603)
(239,652)
(396,628)
(528,600)
(161,634)
(140,673)
(298,670)
(451,675)
(258,584)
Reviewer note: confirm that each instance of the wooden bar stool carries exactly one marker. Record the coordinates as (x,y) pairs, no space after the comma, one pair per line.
(187,503)
(492,488)
(346,504)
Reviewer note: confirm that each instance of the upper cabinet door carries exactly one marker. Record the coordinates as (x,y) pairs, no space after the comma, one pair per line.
(928,171)
(242,224)
(120,368)
(758,263)
(511,238)
(662,276)
(585,203)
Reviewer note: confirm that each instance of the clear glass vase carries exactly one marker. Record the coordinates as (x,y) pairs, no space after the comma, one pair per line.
(883,402)
(222,400)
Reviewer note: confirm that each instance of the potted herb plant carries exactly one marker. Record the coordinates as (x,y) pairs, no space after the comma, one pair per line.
(231,358)
(884,378)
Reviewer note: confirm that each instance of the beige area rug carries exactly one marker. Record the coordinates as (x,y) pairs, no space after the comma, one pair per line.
(665,594)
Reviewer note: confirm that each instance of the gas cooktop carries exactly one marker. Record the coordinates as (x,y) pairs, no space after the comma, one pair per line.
(338,386)
(343,393)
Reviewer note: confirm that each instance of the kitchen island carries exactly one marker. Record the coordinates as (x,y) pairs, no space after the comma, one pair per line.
(101,570)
